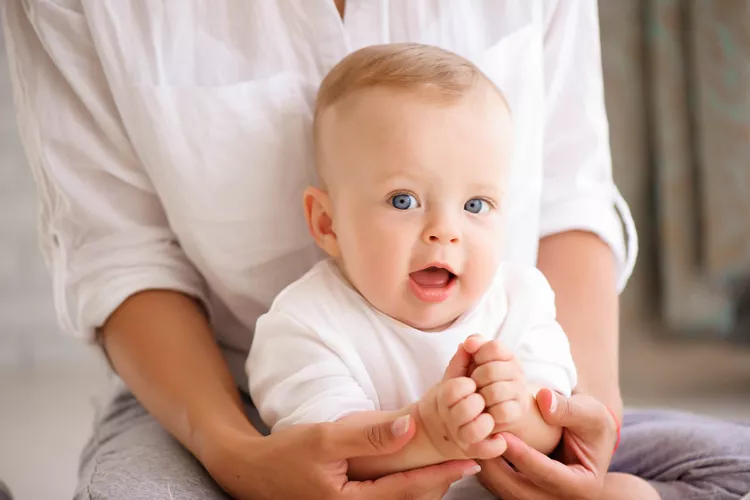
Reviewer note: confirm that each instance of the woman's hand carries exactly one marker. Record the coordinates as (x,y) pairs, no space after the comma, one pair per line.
(589,434)
(310,461)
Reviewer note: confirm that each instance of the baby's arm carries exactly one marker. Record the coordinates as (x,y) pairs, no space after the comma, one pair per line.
(541,358)
(450,422)
(296,376)
(510,399)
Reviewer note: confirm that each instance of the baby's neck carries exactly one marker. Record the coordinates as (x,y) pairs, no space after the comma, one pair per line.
(440,328)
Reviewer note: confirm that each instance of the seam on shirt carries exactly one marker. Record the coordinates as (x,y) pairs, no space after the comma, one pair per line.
(51,200)
(97,463)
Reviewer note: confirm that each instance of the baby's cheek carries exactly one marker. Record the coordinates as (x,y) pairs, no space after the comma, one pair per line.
(484,265)
(376,270)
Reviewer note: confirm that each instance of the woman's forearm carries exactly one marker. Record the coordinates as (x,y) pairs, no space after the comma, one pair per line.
(581,269)
(160,344)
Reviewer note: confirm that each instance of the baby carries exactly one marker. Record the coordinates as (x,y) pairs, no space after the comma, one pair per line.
(413,147)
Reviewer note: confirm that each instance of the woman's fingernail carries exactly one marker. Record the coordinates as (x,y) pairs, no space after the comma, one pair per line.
(473,471)
(401,425)
(553,403)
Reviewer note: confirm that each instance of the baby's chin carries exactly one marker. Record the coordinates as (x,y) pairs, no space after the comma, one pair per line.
(430,322)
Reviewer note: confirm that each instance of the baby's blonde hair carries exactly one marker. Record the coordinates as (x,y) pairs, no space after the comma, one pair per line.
(435,73)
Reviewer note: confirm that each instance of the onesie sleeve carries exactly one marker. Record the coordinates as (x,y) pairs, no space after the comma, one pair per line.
(296,376)
(542,347)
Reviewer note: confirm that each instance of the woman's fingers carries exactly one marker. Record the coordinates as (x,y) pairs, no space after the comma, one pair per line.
(498,477)
(580,413)
(428,483)
(342,440)
(548,474)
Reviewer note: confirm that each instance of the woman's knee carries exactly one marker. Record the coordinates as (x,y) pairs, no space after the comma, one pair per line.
(131,456)
(686,456)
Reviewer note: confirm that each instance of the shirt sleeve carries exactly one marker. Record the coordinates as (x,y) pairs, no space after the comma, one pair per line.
(296,377)
(578,191)
(103,231)
(542,348)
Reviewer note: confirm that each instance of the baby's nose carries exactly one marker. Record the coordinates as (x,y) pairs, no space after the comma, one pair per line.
(442,230)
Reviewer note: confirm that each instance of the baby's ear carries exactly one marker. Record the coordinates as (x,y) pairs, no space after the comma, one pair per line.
(319,215)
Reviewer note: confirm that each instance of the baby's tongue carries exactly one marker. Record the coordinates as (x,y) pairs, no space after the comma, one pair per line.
(431,277)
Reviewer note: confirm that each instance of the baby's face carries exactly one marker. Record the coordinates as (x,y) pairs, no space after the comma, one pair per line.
(416,190)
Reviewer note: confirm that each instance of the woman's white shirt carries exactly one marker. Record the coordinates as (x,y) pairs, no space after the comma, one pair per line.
(171,140)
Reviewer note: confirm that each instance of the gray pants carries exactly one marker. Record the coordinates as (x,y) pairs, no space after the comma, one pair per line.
(686,457)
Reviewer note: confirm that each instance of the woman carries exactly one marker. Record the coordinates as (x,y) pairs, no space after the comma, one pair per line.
(171,142)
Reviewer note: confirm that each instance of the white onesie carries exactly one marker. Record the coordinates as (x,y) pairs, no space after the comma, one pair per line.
(323,352)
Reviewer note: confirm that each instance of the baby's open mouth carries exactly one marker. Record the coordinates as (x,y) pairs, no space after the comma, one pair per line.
(433,277)
(432,284)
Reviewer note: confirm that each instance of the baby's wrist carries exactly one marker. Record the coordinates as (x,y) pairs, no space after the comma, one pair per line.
(428,421)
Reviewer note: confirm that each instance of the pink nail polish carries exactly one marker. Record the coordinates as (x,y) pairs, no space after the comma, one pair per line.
(401,425)
(472,471)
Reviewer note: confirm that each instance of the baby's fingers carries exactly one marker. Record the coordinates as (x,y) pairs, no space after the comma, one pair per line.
(489,448)
(473,343)
(458,366)
(499,392)
(452,391)
(496,371)
(493,350)
(467,410)
(506,413)
(476,430)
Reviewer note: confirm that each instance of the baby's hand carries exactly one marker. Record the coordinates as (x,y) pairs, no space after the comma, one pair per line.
(501,383)
(454,417)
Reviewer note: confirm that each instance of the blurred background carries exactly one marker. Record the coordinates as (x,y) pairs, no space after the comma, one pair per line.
(677,77)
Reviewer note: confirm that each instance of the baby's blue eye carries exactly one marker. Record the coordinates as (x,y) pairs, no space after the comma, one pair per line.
(404,202)
(477,206)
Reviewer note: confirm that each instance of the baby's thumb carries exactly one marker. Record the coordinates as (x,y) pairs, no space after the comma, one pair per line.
(458,366)
(349,441)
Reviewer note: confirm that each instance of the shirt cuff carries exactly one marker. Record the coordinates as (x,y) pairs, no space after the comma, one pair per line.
(102,295)
(609,219)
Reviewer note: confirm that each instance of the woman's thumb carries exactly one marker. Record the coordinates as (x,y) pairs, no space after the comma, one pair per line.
(579,413)
(554,407)
(350,440)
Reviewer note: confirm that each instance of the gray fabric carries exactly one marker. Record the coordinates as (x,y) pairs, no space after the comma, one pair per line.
(5,492)
(685,456)
(131,457)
